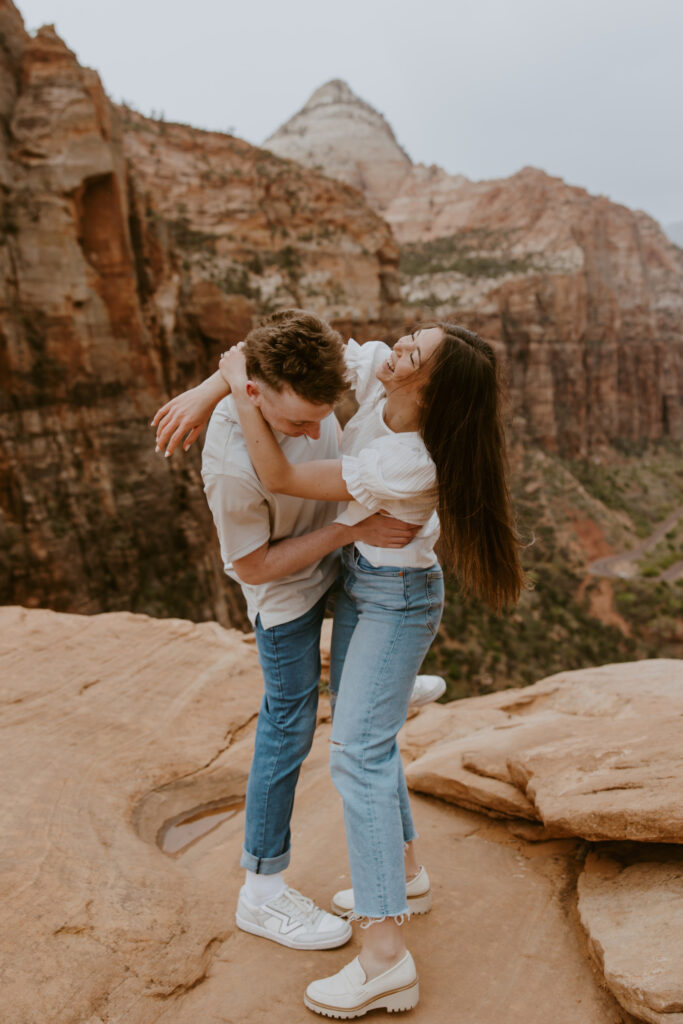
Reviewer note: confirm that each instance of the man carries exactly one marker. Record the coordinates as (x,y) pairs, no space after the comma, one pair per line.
(283,552)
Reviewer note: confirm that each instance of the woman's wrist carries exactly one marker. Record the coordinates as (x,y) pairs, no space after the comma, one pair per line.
(216,386)
(240,396)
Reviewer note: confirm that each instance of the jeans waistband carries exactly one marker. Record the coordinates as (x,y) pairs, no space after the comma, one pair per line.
(354,559)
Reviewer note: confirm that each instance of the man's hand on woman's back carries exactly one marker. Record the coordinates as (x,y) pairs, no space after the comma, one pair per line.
(383,531)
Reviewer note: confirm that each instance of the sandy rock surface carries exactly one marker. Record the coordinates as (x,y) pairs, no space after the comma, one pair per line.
(595,753)
(116,723)
(105,720)
(633,914)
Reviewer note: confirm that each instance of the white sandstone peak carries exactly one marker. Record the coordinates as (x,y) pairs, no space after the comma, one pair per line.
(334,91)
(345,137)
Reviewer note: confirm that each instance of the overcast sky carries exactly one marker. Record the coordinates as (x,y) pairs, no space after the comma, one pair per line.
(589,90)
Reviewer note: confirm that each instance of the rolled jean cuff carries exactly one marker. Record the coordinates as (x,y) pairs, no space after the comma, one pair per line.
(264,865)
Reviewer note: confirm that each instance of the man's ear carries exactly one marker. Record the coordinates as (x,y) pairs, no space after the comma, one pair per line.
(254,392)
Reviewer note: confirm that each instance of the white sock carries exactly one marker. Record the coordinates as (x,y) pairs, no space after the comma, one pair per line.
(261,888)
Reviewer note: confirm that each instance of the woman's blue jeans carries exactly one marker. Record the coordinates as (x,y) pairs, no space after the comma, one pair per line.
(384,622)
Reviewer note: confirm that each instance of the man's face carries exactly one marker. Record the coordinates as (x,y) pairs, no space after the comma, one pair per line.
(286,411)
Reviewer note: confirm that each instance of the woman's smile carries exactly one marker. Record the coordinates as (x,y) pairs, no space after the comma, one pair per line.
(409,355)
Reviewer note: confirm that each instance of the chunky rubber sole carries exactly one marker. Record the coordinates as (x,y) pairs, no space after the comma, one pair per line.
(405,998)
(421,904)
(264,933)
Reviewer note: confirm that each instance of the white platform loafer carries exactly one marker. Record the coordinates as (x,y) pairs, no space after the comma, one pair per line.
(292,920)
(418,891)
(348,994)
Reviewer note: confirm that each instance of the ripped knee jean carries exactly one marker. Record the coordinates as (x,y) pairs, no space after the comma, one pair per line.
(385,620)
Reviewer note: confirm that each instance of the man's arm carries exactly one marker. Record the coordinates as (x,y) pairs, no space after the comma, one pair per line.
(281,558)
(241,515)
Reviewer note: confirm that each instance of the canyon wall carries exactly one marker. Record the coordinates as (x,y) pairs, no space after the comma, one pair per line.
(584,297)
(133,252)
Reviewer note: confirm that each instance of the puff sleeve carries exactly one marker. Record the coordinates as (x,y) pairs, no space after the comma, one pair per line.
(390,470)
(362,362)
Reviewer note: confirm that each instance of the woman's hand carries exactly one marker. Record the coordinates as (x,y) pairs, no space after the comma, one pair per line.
(233,369)
(186,415)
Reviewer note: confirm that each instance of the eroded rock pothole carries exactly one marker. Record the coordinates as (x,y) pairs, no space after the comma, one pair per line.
(182,831)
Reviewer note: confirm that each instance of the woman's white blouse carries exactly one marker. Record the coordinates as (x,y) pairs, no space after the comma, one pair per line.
(385,470)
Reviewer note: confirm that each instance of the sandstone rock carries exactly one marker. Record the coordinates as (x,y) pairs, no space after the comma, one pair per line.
(219,317)
(632,910)
(325,644)
(264,228)
(431,726)
(132,252)
(348,139)
(91,520)
(584,296)
(618,783)
(112,723)
(105,719)
(594,753)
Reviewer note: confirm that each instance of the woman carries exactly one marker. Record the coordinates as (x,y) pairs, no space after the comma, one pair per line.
(427,438)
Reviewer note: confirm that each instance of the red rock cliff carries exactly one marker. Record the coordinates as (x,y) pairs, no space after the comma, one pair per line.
(128,264)
(583,295)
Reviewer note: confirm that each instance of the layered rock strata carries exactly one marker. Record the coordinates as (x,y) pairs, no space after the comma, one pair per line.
(584,296)
(133,252)
(254,228)
(348,139)
(595,754)
(89,518)
(628,902)
(536,756)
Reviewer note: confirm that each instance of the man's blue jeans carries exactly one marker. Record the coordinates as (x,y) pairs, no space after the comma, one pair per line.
(384,621)
(289,655)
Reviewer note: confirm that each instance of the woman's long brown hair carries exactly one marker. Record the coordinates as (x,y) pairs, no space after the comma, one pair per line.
(461,425)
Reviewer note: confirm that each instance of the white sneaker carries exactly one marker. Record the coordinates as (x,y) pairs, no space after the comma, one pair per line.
(427,689)
(418,891)
(292,920)
(348,994)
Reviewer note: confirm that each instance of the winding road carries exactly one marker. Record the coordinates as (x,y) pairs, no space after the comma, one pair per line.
(624,565)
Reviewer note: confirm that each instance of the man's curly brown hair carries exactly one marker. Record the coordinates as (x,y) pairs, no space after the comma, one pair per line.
(300,349)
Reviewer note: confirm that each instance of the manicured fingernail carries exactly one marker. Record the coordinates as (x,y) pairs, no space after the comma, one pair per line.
(166,454)
(157,449)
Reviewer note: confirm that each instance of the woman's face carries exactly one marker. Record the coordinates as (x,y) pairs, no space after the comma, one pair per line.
(409,362)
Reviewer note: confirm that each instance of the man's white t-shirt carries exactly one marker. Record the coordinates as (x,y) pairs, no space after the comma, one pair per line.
(247,515)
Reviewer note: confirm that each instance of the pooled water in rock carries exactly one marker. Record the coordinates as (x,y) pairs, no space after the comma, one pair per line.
(177,835)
